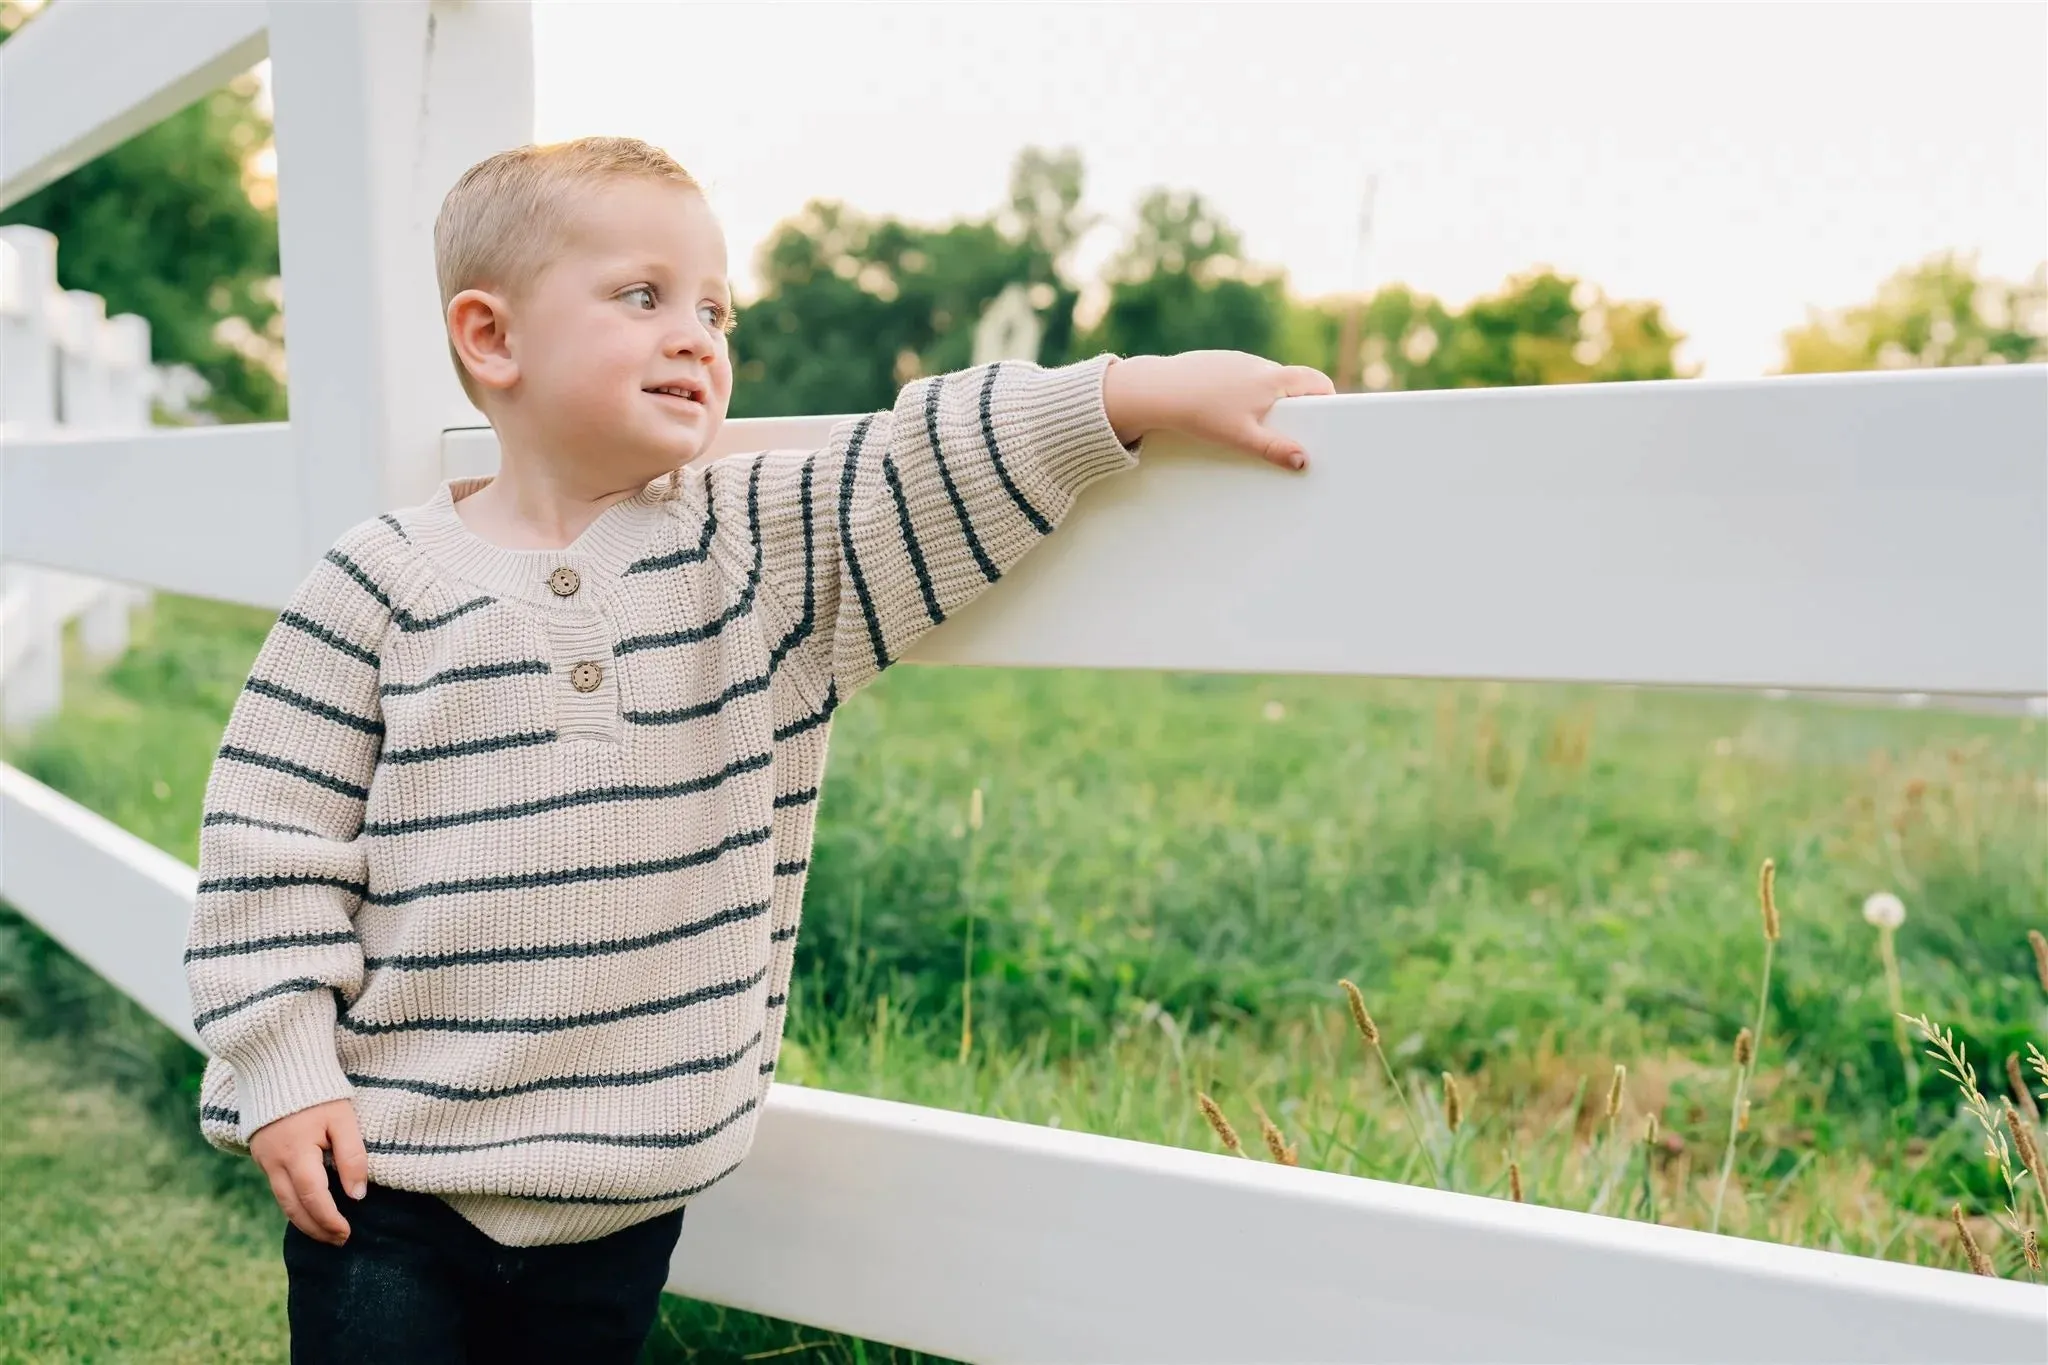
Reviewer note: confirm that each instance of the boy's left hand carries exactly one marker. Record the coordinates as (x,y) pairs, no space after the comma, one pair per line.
(1217,396)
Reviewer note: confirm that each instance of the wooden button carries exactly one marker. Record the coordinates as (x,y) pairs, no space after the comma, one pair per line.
(564,581)
(586,676)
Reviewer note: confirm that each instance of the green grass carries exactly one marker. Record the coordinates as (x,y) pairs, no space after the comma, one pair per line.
(1531,884)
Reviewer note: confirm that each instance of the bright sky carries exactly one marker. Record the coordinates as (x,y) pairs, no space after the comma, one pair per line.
(1736,162)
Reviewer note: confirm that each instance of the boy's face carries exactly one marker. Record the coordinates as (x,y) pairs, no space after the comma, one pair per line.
(620,344)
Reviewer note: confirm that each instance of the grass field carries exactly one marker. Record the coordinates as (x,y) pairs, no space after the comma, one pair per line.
(1531,886)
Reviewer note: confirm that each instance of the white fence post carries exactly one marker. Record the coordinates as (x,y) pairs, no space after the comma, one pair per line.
(379,109)
(63,364)
(28,282)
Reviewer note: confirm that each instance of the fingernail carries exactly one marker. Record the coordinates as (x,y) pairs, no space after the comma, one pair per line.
(358,1190)
(1300,460)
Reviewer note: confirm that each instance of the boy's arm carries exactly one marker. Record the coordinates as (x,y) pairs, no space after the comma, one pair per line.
(272,935)
(907,515)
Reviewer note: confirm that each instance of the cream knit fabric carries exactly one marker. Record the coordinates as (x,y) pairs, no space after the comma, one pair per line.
(514,857)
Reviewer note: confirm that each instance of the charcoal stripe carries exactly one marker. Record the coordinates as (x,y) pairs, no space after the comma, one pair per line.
(257,945)
(313,775)
(718,703)
(263,687)
(783,935)
(468,673)
(463,748)
(296,986)
(526,881)
(667,1005)
(931,432)
(677,558)
(598,1139)
(802,798)
(924,578)
(220,1114)
(227,817)
(995,455)
(801,631)
(696,1066)
(815,719)
(410,623)
(690,635)
(363,580)
(630,1200)
(392,522)
(848,470)
(593,796)
(325,636)
(776,1002)
(421,962)
(791,868)
(274,881)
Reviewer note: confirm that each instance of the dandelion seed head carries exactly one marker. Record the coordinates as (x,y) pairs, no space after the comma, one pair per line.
(1884,910)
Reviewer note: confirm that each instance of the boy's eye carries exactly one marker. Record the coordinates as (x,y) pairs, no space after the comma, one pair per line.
(716,316)
(640,291)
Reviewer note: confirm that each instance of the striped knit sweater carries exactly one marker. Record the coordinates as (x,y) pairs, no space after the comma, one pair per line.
(508,846)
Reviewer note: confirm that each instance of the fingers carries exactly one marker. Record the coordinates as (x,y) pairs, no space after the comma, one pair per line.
(1303,381)
(351,1162)
(1272,447)
(309,1182)
(288,1200)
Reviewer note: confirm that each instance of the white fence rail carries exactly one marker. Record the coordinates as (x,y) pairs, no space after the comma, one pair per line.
(1884,532)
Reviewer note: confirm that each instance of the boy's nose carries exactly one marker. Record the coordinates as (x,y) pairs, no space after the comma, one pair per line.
(689,338)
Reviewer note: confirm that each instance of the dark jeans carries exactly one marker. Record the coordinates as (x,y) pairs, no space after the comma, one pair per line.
(417,1284)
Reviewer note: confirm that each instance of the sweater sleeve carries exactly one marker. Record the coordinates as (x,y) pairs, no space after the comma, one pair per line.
(281,872)
(906,515)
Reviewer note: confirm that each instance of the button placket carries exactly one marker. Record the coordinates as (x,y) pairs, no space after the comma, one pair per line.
(564,582)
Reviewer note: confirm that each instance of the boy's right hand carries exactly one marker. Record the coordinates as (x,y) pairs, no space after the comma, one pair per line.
(288,1150)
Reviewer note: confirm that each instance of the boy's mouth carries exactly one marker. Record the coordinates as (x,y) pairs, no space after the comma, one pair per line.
(685,392)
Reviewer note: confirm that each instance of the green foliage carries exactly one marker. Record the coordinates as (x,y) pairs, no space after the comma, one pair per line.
(163,225)
(1182,283)
(1940,312)
(852,307)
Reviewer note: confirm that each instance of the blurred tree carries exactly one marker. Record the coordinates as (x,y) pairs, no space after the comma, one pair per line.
(1937,313)
(1182,283)
(853,306)
(1540,328)
(175,224)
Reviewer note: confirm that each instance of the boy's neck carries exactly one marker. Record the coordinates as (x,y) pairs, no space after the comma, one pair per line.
(538,505)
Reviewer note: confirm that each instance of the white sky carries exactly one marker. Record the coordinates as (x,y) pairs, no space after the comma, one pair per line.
(1736,162)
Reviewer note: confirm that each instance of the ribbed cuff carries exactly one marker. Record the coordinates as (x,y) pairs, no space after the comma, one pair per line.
(291,1065)
(1067,441)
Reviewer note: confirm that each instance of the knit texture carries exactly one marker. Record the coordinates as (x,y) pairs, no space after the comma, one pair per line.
(514,858)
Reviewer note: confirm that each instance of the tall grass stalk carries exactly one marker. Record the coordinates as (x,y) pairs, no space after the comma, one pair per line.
(967,950)
(1738,1110)
(1369,1030)
(1953,1060)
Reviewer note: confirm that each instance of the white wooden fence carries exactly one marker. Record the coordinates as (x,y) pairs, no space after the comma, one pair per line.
(1863,532)
(64,366)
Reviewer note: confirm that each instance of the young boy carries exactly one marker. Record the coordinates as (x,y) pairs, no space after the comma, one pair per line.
(504,849)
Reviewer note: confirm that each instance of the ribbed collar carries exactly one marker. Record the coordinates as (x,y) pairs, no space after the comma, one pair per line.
(604,549)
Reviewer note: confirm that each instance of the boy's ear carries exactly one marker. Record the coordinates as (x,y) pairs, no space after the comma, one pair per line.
(479,328)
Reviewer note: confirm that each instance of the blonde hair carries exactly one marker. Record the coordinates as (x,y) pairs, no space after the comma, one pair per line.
(510,213)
